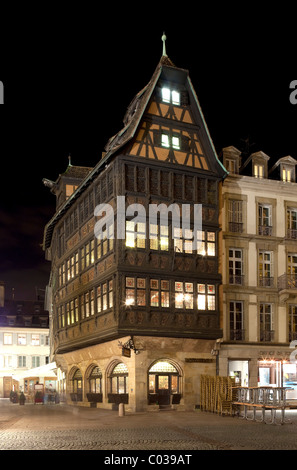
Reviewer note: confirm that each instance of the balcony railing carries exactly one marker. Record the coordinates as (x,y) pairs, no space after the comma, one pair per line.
(237,335)
(292,335)
(266,281)
(292,233)
(265,230)
(287,281)
(236,280)
(266,336)
(236,227)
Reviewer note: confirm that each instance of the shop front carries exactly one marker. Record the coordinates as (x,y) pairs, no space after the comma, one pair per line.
(252,367)
(278,373)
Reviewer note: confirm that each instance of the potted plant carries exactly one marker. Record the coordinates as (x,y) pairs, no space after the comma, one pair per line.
(22,399)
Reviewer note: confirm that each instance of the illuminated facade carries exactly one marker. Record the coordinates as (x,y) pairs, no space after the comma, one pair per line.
(259,270)
(136,319)
(24,344)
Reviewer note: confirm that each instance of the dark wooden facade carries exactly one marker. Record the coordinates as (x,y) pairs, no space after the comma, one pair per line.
(110,288)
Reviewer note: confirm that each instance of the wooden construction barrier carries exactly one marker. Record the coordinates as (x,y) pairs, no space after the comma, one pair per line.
(216,394)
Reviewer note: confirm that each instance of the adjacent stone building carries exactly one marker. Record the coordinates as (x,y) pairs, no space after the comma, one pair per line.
(259,270)
(24,344)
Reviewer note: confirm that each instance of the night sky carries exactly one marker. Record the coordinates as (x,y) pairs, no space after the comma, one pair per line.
(69,77)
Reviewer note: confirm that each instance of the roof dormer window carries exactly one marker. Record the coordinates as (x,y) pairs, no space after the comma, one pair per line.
(258,170)
(287,174)
(170,96)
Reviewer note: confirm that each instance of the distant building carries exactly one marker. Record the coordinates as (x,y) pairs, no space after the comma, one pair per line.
(24,343)
(259,270)
(137,319)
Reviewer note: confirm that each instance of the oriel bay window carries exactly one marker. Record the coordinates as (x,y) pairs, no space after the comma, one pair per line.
(206,297)
(104,296)
(184,295)
(206,243)
(135,234)
(165,294)
(159,237)
(135,291)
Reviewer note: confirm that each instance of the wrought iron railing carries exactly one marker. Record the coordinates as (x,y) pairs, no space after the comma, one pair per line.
(287,281)
(265,230)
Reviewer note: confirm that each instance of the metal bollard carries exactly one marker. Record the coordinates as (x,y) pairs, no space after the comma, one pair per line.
(121,409)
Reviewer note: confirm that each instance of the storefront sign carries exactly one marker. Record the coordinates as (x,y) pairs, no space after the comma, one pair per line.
(276,355)
(126,352)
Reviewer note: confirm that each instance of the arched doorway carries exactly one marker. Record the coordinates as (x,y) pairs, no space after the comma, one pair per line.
(164,383)
(77,386)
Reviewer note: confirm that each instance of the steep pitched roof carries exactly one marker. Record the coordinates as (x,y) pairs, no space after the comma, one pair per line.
(132,118)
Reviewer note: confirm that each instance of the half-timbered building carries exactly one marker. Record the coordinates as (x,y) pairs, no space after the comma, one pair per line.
(135,319)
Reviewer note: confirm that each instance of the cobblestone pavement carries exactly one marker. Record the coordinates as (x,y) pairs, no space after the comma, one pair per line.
(62,427)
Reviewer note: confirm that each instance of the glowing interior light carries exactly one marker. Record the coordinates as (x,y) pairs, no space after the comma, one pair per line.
(166,95)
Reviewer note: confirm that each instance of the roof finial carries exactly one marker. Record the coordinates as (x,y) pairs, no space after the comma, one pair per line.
(69,160)
(164,45)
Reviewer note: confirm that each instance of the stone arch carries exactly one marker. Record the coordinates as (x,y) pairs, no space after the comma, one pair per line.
(164,382)
(75,380)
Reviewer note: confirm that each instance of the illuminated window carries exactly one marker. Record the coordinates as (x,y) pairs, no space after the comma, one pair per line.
(258,171)
(135,238)
(99,307)
(7,338)
(169,96)
(154,293)
(141,301)
(166,95)
(135,291)
(22,339)
(287,175)
(175,97)
(35,340)
(206,243)
(110,294)
(70,188)
(206,297)
(167,141)
(159,237)
(176,143)
(184,295)
(164,293)
(104,298)
(76,309)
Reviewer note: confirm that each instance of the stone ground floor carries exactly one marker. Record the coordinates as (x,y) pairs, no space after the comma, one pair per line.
(64,427)
(143,372)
